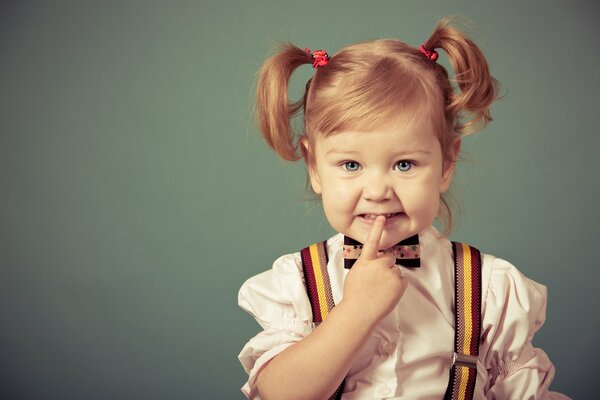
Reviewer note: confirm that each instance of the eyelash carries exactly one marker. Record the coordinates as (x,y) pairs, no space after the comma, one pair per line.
(411,163)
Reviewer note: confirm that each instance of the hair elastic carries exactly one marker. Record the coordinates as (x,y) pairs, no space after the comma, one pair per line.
(431,54)
(320,56)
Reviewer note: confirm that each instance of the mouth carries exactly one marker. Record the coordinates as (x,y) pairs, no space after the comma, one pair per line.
(389,217)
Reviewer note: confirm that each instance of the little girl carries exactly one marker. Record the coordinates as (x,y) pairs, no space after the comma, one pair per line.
(388,307)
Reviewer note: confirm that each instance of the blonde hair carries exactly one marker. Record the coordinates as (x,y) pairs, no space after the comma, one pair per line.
(369,82)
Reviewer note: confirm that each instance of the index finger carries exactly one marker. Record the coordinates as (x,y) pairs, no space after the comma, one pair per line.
(371,246)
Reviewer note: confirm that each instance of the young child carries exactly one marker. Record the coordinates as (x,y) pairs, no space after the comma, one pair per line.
(382,133)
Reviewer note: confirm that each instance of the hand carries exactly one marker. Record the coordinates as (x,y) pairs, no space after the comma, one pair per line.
(375,284)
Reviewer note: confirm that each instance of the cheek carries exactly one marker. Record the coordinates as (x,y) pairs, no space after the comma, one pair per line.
(422,195)
(339,189)
(338,197)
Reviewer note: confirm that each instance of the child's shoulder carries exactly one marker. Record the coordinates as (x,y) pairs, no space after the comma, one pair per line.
(277,297)
(285,270)
(503,280)
(282,284)
(504,286)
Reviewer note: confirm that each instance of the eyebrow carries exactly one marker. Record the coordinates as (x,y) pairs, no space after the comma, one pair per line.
(358,152)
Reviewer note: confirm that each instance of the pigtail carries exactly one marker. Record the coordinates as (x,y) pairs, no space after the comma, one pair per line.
(477,86)
(273,112)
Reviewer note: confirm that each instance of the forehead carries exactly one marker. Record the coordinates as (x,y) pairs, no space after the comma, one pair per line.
(402,133)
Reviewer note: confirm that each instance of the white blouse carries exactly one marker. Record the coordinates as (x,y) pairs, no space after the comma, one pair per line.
(408,355)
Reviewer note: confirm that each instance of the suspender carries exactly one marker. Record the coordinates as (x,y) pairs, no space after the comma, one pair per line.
(318,287)
(467,321)
(467,316)
(314,262)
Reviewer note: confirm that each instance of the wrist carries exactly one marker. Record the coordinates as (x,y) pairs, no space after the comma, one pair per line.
(356,316)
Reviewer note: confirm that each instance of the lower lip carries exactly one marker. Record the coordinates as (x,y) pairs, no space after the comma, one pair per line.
(388,221)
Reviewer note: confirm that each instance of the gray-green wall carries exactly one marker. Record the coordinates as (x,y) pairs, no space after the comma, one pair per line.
(136,195)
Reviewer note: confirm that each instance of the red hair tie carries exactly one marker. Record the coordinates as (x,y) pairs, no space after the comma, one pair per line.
(431,54)
(320,56)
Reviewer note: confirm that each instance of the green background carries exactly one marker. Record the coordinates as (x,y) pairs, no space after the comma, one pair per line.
(137,196)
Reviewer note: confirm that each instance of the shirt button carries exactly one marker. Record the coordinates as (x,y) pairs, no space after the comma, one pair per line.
(387,348)
(384,391)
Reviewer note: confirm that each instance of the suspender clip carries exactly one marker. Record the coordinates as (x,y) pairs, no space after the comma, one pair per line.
(464,360)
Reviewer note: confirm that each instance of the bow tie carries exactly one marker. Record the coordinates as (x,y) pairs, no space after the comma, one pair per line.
(407,252)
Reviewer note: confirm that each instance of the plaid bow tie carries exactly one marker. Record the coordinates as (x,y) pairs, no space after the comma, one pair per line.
(407,252)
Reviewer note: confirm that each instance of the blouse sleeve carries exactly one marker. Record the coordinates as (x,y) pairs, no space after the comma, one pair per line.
(514,310)
(278,301)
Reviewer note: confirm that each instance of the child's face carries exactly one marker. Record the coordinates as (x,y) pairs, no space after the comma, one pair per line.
(397,169)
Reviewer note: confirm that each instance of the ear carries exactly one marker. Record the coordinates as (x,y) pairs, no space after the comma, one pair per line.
(449,165)
(310,160)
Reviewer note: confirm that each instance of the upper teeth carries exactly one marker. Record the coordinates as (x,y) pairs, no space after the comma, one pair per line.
(372,216)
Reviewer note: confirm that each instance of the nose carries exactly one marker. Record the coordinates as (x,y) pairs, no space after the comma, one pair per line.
(377,187)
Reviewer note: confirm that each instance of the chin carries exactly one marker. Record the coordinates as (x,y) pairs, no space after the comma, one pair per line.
(391,240)
(387,240)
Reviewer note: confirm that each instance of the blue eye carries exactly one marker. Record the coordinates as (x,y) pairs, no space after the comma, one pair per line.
(404,165)
(352,166)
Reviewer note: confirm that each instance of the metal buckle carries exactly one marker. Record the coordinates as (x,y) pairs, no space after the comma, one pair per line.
(464,360)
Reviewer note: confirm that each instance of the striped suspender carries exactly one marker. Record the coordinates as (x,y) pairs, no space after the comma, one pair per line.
(467,322)
(467,317)
(314,264)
